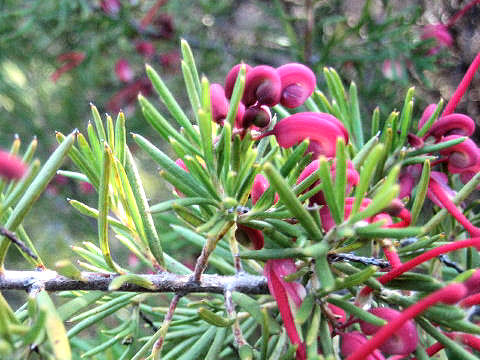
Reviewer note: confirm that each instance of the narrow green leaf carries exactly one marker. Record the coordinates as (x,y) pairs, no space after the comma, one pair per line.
(143,208)
(329,192)
(437,147)
(421,192)
(356,311)
(119,281)
(356,118)
(406,117)
(341,176)
(431,119)
(366,175)
(253,308)
(193,186)
(30,152)
(98,123)
(192,92)
(217,344)
(103,208)
(190,62)
(375,122)
(159,123)
(236,96)
(214,319)
(55,330)
(120,138)
(171,104)
(66,268)
(291,202)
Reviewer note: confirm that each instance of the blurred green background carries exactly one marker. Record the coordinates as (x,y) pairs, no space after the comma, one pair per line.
(377,44)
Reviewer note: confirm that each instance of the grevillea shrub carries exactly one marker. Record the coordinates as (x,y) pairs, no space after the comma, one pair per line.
(318,233)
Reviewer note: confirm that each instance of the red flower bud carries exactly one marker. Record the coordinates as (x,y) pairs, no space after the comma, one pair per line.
(461,156)
(11,167)
(259,116)
(232,77)
(298,83)
(352,341)
(145,48)
(453,124)
(219,103)
(260,185)
(403,341)
(262,85)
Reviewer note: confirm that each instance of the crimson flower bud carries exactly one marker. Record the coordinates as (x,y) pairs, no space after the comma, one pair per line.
(259,116)
(145,48)
(461,156)
(11,167)
(219,103)
(403,341)
(260,185)
(453,124)
(298,83)
(232,77)
(352,341)
(429,110)
(262,85)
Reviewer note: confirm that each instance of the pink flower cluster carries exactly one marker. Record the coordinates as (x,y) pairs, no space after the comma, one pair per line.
(462,159)
(265,86)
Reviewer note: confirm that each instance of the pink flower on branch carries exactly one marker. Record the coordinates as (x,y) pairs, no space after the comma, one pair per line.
(450,294)
(322,129)
(298,83)
(11,167)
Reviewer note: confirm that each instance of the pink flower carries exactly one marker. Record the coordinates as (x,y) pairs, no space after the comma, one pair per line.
(145,48)
(124,71)
(260,185)
(111,7)
(393,69)
(232,77)
(219,103)
(71,60)
(450,294)
(85,187)
(288,295)
(352,341)
(262,85)
(298,83)
(440,33)
(169,59)
(11,167)
(322,129)
(402,342)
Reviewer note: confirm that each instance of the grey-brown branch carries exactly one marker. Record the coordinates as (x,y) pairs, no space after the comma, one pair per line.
(163,282)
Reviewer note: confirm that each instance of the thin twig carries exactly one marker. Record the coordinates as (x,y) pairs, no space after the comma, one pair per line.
(157,348)
(11,236)
(359,259)
(163,283)
(230,307)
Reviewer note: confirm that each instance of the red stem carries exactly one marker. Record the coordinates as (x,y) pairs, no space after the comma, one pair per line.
(462,87)
(432,350)
(449,294)
(421,259)
(147,19)
(462,12)
(470,301)
(452,209)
